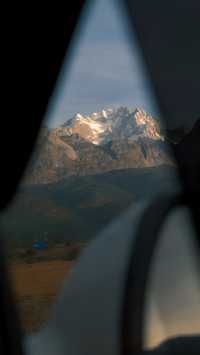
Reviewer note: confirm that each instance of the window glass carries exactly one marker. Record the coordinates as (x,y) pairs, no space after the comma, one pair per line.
(102,149)
(172,295)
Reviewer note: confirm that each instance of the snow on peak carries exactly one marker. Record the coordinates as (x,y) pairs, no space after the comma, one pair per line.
(104,113)
(114,124)
(149,125)
(78,116)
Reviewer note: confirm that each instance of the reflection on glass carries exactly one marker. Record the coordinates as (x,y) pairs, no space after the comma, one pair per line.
(173,302)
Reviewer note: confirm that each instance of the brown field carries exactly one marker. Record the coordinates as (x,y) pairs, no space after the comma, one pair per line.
(36,282)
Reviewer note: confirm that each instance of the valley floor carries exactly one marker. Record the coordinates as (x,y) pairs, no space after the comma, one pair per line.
(36,285)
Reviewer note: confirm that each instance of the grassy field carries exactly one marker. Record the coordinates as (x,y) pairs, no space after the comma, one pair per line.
(37,280)
(77,208)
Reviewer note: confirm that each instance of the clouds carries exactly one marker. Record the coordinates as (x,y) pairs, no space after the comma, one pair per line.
(105,68)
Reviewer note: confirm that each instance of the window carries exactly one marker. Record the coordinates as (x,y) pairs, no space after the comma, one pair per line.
(102,149)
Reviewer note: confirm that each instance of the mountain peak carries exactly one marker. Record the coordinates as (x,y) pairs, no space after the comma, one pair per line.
(148,124)
(114,124)
(78,116)
(114,138)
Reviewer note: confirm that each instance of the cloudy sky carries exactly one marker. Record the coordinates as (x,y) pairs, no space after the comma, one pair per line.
(105,67)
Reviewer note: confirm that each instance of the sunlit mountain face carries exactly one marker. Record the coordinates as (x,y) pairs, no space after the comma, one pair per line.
(111,124)
(102,141)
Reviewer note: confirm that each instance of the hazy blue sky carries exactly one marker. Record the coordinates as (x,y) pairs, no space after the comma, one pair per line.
(105,68)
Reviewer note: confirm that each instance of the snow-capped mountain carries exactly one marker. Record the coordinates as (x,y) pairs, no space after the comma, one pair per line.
(113,124)
(104,141)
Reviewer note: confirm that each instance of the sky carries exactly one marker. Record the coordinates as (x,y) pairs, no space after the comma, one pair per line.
(104,68)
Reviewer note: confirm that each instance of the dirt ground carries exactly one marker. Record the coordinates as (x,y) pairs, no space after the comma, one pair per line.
(35,286)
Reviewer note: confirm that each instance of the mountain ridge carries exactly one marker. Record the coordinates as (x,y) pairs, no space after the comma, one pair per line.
(109,124)
(108,140)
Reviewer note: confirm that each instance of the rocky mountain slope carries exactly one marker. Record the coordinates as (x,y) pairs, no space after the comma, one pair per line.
(111,124)
(105,141)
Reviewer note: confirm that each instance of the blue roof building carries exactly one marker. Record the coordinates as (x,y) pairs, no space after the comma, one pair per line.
(40,245)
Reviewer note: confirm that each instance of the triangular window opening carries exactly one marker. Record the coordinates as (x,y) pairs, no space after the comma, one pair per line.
(101,150)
